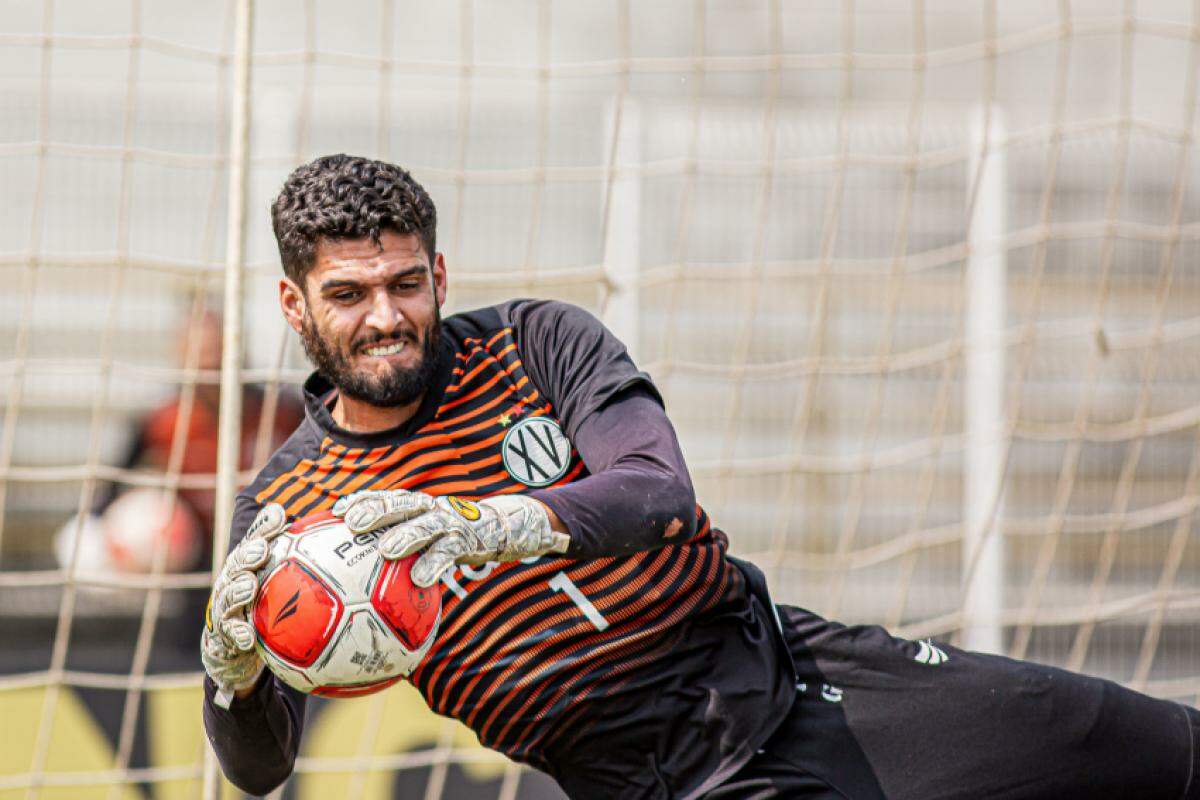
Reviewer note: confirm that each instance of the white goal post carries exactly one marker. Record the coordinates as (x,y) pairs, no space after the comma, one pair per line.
(916,280)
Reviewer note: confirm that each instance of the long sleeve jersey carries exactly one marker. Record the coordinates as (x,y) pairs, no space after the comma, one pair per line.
(644,662)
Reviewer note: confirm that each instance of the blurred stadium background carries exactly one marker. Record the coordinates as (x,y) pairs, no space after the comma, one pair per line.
(918,281)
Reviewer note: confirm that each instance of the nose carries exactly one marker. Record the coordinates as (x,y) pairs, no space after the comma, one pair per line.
(385,315)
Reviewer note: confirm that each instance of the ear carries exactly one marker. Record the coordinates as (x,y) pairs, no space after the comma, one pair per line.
(439,279)
(292,303)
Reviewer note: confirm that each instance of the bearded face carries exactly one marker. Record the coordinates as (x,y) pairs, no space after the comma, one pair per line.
(369,317)
(385,386)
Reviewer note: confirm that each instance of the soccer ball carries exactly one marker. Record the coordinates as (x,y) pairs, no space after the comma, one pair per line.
(142,521)
(90,556)
(336,619)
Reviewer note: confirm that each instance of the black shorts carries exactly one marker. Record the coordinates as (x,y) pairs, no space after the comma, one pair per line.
(876,716)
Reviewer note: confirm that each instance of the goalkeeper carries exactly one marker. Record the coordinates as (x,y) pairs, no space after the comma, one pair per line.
(593,624)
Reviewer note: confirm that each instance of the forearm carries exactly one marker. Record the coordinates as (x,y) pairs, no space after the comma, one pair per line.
(639,495)
(256,740)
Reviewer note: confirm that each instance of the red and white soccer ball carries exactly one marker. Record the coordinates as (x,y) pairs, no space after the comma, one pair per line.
(145,526)
(336,619)
(141,530)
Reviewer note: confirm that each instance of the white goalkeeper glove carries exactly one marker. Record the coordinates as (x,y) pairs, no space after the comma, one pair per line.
(227,645)
(371,510)
(456,531)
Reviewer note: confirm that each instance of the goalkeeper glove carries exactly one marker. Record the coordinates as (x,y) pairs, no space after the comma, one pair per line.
(227,644)
(456,531)
(371,510)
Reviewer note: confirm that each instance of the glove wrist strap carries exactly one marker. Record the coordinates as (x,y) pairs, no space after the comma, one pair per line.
(527,527)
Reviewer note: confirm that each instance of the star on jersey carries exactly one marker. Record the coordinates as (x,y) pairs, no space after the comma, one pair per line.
(506,418)
(536,451)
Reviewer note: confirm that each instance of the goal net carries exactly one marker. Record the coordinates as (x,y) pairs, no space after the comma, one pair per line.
(917,281)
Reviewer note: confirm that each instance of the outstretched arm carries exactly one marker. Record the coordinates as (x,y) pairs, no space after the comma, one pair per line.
(256,739)
(639,495)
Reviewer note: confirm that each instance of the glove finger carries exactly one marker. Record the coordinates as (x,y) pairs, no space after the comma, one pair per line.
(385,508)
(361,509)
(249,555)
(363,516)
(268,523)
(239,633)
(409,537)
(344,504)
(442,555)
(215,654)
(216,604)
(214,648)
(236,595)
(429,569)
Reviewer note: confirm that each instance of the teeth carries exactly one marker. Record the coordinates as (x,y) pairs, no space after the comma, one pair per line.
(386,350)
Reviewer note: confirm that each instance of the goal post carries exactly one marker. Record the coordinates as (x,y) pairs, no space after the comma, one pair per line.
(916,281)
(983,403)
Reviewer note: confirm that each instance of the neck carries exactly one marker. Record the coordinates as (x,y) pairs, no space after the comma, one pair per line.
(359,417)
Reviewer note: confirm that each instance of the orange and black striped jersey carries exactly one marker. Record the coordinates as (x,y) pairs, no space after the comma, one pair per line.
(542,657)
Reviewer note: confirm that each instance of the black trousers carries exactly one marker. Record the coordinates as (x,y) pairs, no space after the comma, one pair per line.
(881,717)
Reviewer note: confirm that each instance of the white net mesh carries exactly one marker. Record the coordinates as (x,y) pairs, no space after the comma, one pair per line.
(917,282)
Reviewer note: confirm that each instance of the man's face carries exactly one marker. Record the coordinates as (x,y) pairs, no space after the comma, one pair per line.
(369,316)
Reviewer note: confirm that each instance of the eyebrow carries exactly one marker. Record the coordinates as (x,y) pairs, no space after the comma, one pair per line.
(344,283)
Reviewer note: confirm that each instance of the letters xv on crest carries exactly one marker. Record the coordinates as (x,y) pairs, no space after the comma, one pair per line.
(536,452)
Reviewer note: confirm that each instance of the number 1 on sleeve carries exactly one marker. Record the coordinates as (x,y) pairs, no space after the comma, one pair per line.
(561,583)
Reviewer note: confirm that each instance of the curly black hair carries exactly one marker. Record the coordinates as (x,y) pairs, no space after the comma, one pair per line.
(347,197)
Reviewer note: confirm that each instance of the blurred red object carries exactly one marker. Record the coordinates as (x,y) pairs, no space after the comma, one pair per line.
(141,521)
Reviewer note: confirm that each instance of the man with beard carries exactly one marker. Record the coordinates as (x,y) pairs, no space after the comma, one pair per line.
(593,625)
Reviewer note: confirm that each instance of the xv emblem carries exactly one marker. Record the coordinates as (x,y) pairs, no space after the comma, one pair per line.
(536,452)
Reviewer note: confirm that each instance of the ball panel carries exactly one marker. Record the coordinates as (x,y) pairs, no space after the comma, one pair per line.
(409,610)
(289,674)
(306,524)
(342,558)
(356,690)
(362,651)
(296,614)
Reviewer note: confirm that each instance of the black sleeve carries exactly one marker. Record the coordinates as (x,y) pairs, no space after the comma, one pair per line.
(245,509)
(573,359)
(639,495)
(257,738)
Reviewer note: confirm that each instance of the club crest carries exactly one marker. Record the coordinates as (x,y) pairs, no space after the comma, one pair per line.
(536,452)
